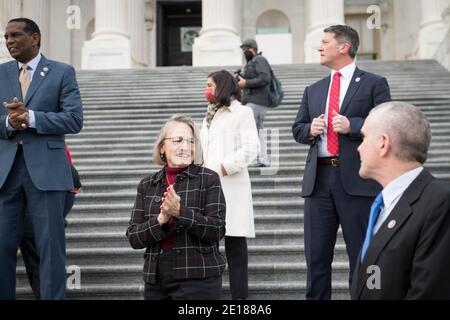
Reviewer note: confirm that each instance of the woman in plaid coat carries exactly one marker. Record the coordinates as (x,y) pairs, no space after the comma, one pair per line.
(179,217)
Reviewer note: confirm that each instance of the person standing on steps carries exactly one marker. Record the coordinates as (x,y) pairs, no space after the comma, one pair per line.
(42,104)
(255,84)
(230,143)
(329,120)
(27,244)
(406,250)
(179,217)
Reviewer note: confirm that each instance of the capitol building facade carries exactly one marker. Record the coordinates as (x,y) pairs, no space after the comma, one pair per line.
(106,34)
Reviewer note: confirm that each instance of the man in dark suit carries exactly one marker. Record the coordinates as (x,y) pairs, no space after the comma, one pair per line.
(41,104)
(406,252)
(330,118)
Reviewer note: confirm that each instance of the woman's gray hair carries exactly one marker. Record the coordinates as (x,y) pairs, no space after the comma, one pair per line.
(158,158)
(407,126)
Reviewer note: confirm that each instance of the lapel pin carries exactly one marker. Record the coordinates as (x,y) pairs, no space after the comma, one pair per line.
(44,72)
(391,224)
(358,79)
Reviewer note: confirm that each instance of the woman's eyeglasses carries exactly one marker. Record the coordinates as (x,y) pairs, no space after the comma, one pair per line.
(179,140)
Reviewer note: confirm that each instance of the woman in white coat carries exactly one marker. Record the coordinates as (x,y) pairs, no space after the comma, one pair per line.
(230,143)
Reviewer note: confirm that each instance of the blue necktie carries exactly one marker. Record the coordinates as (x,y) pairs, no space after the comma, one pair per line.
(374,213)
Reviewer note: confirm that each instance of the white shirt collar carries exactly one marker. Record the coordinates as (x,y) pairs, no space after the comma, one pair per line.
(33,63)
(397,186)
(346,72)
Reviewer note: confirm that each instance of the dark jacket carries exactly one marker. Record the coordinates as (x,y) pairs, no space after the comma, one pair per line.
(411,250)
(75,177)
(258,76)
(196,233)
(366,90)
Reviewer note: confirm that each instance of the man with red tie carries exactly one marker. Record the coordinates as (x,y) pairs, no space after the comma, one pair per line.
(330,118)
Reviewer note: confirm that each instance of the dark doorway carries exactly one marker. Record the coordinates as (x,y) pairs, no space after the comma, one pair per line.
(178,23)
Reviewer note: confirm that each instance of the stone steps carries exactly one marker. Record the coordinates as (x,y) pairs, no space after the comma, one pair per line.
(258,291)
(264,272)
(87,224)
(124,110)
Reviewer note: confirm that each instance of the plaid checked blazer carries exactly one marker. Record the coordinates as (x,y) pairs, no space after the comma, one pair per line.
(196,232)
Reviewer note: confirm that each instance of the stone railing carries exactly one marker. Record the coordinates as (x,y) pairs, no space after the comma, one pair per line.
(442,54)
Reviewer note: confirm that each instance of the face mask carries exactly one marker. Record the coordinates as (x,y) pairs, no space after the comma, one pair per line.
(248,55)
(209,95)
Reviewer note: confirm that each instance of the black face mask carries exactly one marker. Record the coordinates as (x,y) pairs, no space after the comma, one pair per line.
(248,55)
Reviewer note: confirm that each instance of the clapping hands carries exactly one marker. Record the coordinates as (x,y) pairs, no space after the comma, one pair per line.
(18,116)
(170,206)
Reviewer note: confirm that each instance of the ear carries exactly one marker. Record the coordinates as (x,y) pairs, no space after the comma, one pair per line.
(36,38)
(345,47)
(384,145)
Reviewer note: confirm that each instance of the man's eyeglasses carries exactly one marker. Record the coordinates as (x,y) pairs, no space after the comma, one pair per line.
(179,140)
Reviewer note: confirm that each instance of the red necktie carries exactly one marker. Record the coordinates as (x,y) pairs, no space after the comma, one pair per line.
(333,105)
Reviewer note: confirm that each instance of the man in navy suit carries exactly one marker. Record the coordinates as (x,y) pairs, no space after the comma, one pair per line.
(42,103)
(406,252)
(330,118)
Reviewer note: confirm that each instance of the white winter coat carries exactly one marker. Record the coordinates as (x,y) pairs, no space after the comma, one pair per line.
(232,140)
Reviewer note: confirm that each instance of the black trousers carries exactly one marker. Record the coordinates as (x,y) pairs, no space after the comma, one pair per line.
(168,288)
(237,258)
(328,207)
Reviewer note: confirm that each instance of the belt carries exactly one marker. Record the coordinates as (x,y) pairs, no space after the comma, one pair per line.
(331,161)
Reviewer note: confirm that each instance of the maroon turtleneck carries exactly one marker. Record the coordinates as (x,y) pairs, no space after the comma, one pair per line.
(171,178)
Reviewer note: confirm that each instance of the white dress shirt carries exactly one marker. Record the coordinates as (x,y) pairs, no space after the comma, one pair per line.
(346,77)
(32,66)
(393,192)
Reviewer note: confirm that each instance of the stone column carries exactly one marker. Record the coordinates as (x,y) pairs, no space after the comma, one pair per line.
(136,14)
(110,47)
(446,16)
(39,12)
(150,34)
(320,14)
(218,44)
(9,9)
(433,27)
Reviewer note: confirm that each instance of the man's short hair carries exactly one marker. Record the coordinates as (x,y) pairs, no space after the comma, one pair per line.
(345,34)
(408,128)
(30,27)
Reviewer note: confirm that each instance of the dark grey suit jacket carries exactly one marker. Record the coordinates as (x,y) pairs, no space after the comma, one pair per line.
(366,90)
(414,256)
